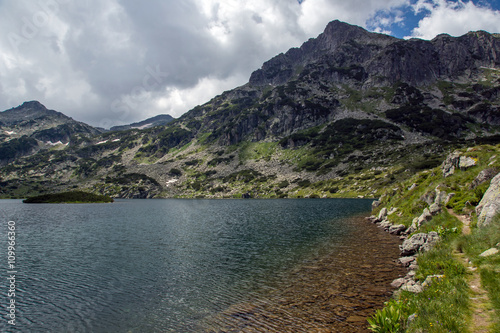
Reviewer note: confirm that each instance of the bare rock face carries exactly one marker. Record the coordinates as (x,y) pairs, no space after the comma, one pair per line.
(489,205)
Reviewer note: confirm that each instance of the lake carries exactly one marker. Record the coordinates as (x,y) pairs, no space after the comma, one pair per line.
(174,265)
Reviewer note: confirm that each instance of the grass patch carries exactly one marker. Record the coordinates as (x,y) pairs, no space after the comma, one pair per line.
(489,267)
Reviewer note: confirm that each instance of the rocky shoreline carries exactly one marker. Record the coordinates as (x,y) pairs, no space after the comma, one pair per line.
(417,243)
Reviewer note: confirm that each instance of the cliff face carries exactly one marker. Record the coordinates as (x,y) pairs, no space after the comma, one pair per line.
(382,59)
(348,72)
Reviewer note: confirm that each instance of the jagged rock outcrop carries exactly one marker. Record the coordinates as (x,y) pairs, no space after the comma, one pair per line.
(489,206)
(368,55)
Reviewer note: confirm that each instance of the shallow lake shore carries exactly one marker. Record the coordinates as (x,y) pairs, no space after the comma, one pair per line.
(335,292)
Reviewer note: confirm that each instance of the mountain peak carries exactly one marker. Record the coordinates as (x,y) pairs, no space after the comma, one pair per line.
(32,105)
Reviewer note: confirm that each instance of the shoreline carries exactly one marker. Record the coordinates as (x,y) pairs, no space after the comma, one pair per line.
(336,292)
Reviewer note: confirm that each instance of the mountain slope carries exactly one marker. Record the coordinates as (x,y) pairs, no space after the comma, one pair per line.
(31,127)
(158,120)
(343,115)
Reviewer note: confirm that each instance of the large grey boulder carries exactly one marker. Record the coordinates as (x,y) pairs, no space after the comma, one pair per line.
(456,161)
(489,206)
(420,242)
(449,165)
(466,162)
(483,176)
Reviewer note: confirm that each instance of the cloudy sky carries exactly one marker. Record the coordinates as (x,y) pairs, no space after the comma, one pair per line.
(110,62)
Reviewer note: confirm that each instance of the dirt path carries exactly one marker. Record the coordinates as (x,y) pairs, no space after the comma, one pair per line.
(482,310)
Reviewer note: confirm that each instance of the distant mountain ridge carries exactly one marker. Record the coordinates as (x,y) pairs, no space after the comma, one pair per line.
(158,120)
(26,129)
(345,114)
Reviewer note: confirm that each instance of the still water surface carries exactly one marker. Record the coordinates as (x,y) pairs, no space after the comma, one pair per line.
(158,265)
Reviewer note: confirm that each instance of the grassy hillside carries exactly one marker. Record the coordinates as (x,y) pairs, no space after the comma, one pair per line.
(453,301)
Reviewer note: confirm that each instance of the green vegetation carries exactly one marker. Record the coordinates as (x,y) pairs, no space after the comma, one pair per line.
(388,319)
(69,197)
(446,304)
(17,147)
(489,267)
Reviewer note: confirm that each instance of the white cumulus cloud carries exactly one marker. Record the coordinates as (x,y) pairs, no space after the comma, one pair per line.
(454,17)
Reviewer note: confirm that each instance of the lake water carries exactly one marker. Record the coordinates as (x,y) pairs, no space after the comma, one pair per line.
(162,265)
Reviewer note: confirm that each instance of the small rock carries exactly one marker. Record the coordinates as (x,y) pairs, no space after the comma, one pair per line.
(483,176)
(440,196)
(425,217)
(412,287)
(414,186)
(392,211)
(397,229)
(398,283)
(432,239)
(489,252)
(411,274)
(407,261)
(452,161)
(434,209)
(375,204)
(413,267)
(383,213)
(430,279)
(429,198)
(411,318)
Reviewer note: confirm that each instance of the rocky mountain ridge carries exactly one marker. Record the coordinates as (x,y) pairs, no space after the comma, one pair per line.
(158,120)
(31,127)
(343,115)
